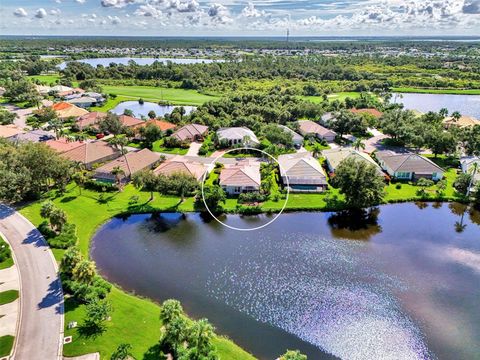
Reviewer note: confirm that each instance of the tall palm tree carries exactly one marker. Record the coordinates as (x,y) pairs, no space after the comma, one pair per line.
(316,150)
(119,173)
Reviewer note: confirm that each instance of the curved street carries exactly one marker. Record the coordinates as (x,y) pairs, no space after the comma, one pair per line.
(40,331)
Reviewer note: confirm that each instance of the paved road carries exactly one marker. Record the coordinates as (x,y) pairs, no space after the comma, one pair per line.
(22,114)
(40,332)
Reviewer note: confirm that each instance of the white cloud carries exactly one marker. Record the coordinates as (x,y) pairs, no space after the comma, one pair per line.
(219,14)
(20,12)
(148,11)
(80,1)
(250,11)
(41,13)
(184,5)
(117,3)
(115,20)
(55,12)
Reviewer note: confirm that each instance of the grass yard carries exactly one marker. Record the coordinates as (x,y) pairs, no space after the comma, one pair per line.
(8,296)
(158,147)
(155,94)
(341,96)
(6,344)
(437,91)
(46,79)
(9,261)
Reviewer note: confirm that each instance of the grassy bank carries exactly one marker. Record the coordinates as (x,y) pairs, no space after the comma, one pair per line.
(8,296)
(6,344)
(47,79)
(437,91)
(341,96)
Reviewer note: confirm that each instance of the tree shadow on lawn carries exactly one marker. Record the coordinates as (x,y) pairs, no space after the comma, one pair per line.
(68,199)
(91,332)
(154,353)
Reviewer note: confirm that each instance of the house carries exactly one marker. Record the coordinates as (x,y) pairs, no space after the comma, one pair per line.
(97,96)
(334,157)
(308,127)
(327,117)
(90,153)
(237,136)
(130,121)
(462,122)
(66,110)
(32,136)
(179,164)
(408,166)
(468,167)
(162,124)
(43,90)
(7,131)
(370,111)
(62,145)
(90,120)
(61,89)
(83,101)
(240,178)
(302,172)
(296,138)
(130,164)
(191,132)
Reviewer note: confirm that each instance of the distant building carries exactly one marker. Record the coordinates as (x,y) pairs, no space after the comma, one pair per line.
(130,163)
(308,127)
(83,102)
(130,121)
(237,136)
(191,132)
(32,136)
(240,178)
(296,138)
(409,166)
(66,110)
(334,157)
(468,165)
(91,120)
(370,111)
(462,122)
(302,172)
(161,124)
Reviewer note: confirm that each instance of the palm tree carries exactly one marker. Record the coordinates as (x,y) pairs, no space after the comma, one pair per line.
(317,150)
(84,271)
(456,116)
(358,144)
(119,173)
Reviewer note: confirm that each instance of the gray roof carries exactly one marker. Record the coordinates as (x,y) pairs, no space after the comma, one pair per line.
(83,100)
(408,162)
(336,156)
(33,136)
(302,169)
(295,137)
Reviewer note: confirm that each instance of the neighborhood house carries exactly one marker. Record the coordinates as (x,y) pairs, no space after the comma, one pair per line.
(308,127)
(237,136)
(302,172)
(296,138)
(191,132)
(179,164)
(471,165)
(334,157)
(240,178)
(408,166)
(90,153)
(90,120)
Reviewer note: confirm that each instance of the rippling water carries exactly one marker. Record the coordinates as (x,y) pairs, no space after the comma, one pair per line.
(405,288)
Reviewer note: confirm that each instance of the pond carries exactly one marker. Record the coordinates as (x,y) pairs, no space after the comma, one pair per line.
(466,104)
(140,61)
(402,285)
(140,110)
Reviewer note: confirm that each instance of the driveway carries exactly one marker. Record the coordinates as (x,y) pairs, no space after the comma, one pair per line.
(193,149)
(40,331)
(22,114)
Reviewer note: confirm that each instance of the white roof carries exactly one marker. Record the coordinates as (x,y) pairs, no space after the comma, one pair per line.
(236,133)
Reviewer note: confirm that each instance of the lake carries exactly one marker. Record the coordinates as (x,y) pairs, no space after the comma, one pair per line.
(465,104)
(140,110)
(140,61)
(404,285)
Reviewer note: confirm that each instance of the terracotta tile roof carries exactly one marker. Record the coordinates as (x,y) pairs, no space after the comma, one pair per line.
(91,152)
(179,164)
(62,145)
(241,175)
(61,106)
(9,130)
(131,162)
(129,121)
(310,127)
(90,119)
(371,111)
(189,132)
(162,124)
(65,110)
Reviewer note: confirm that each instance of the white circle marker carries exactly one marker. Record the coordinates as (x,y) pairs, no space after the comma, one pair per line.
(233,227)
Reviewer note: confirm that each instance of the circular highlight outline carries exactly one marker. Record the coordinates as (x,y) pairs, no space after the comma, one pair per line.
(243,229)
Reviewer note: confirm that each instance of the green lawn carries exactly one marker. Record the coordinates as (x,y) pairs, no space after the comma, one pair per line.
(158,147)
(437,91)
(8,296)
(47,79)
(8,262)
(6,344)
(155,94)
(341,96)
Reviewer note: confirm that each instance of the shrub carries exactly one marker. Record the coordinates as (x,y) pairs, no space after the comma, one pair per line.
(5,252)
(251,197)
(66,239)
(249,210)
(398,186)
(100,186)
(46,230)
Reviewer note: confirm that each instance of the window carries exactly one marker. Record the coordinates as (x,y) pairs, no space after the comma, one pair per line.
(237,189)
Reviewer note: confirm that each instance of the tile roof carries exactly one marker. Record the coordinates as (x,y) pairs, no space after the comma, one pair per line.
(189,132)
(162,124)
(310,127)
(372,111)
(33,135)
(90,119)
(129,121)
(295,136)
(179,164)
(91,152)
(240,175)
(408,162)
(131,162)
(65,110)
(236,133)
(9,130)
(336,156)
(61,106)
(62,145)
(302,169)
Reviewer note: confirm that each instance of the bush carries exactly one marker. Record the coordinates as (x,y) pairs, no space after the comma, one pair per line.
(251,197)
(100,186)
(398,186)
(5,252)
(46,230)
(67,238)
(249,210)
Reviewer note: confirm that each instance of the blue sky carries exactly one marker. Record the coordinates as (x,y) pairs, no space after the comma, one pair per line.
(237,17)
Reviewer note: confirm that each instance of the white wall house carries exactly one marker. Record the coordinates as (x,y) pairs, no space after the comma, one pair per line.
(237,179)
(409,166)
(237,136)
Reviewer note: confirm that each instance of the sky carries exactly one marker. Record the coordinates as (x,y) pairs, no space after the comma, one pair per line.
(240,18)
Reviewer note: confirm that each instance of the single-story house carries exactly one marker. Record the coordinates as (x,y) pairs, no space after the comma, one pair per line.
(61,88)
(130,163)
(162,124)
(334,157)
(408,166)
(462,122)
(240,178)
(329,116)
(90,120)
(66,110)
(237,136)
(130,121)
(370,111)
(468,166)
(7,131)
(32,136)
(97,96)
(297,138)
(191,132)
(304,173)
(308,127)
(62,145)
(83,101)
(179,164)
(42,89)
(89,153)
